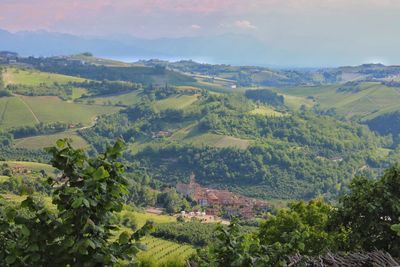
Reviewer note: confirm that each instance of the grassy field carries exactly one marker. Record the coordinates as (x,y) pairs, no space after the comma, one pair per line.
(214,140)
(295,102)
(371,100)
(161,251)
(42,141)
(124,99)
(29,110)
(34,77)
(13,112)
(100,61)
(34,166)
(48,109)
(266,111)
(78,92)
(176,102)
(141,217)
(191,135)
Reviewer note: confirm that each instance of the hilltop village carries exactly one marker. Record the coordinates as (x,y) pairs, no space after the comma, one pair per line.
(221,202)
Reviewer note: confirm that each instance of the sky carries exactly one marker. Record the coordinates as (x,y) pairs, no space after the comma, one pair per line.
(366,30)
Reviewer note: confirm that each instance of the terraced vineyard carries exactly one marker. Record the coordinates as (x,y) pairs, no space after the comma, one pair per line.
(162,251)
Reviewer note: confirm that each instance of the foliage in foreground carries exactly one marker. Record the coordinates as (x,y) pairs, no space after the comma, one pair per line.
(80,232)
(366,219)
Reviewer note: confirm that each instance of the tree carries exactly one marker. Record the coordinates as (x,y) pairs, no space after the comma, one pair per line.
(303,228)
(172,202)
(87,195)
(234,248)
(370,210)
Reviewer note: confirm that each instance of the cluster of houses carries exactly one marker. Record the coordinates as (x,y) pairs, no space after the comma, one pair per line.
(7,57)
(221,202)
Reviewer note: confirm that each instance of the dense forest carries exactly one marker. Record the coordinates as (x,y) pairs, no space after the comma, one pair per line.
(388,123)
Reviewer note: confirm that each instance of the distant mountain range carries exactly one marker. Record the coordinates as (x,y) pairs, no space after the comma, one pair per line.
(228,48)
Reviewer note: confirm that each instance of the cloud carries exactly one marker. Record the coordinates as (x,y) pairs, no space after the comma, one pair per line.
(244,25)
(195,27)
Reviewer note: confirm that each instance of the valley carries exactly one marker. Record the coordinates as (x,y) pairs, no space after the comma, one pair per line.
(159,111)
(254,134)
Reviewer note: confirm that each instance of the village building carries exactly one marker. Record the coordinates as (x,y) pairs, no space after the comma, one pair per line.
(7,57)
(221,202)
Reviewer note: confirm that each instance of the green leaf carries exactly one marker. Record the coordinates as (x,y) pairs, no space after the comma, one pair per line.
(77,203)
(69,242)
(100,173)
(116,149)
(10,259)
(86,203)
(396,228)
(124,238)
(25,231)
(33,248)
(91,244)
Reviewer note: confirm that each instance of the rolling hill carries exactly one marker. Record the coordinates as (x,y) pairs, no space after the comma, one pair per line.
(187,117)
(365,100)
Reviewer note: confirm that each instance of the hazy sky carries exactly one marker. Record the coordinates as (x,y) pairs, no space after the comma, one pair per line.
(367,29)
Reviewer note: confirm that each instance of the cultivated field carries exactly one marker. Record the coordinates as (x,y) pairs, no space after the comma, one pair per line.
(141,217)
(191,135)
(42,141)
(34,166)
(176,102)
(30,110)
(371,100)
(161,251)
(120,99)
(14,112)
(266,111)
(34,77)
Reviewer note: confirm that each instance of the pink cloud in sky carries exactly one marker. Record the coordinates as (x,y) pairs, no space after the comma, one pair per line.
(195,27)
(45,14)
(82,16)
(245,24)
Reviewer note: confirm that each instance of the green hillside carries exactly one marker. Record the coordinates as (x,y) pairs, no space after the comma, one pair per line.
(33,77)
(175,124)
(43,141)
(25,110)
(365,100)
(34,166)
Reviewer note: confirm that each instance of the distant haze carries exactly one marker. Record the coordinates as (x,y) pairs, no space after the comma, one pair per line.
(261,32)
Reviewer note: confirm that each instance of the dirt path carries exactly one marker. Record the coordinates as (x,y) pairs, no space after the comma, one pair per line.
(29,108)
(4,112)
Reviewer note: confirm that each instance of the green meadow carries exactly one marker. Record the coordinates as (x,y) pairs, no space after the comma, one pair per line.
(371,100)
(176,102)
(34,77)
(120,99)
(29,110)
(42,141)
